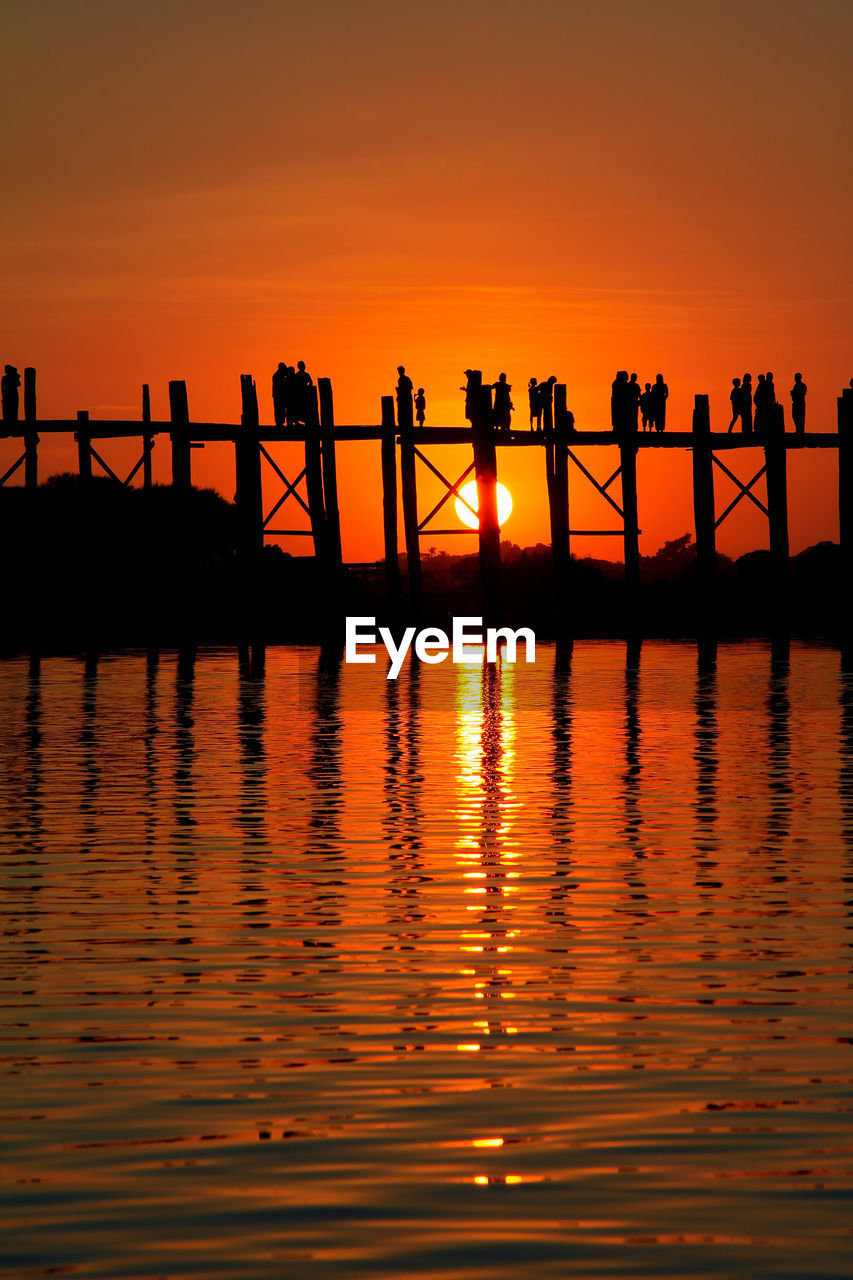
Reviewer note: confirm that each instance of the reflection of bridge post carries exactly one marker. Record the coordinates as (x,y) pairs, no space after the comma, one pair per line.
(561,777)
(152,665)
(89,750)
(184,739)
(706,757)
(324,769)
(33,740)
(493,981)
(779,745)
(402,785)
(633,766)
(845,762)
(251,718)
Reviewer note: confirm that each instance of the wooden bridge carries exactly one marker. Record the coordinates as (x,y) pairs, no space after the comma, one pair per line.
(314,488)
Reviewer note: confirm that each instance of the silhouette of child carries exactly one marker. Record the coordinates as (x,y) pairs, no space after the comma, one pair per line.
(535,406)
(420,407)
(736,397)
(645,406)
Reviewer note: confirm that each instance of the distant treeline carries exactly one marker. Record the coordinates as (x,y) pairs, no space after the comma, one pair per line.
(104,565)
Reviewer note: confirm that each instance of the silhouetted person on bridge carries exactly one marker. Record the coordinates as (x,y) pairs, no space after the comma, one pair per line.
(762,403)
(11,380)
(634,388)
(736,397)
(299,385)
(279,394)
(659,396)
(620,403)
(469,390)
(404,398)
(503,404)
(545,399)
(746,414)
(646,407)
(420,407)
(798,403)
(771,389)
(535,406)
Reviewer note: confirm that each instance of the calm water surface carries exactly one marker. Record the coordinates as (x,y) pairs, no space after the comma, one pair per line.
(539,971)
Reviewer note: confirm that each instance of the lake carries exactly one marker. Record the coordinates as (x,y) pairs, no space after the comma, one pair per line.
(484,972)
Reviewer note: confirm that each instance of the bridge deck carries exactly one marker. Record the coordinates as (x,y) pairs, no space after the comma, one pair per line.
(204,432)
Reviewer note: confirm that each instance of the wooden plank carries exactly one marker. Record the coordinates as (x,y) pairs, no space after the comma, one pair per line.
(31,440)
(559,493)
(628,455)
(179,434)
(84,452)
(777,488)
(703,489)
(408,480)
(389,500)
(330,473)
(486,471)
(845,483)
(247,458)
(120,428)
(314,474)
(147,438)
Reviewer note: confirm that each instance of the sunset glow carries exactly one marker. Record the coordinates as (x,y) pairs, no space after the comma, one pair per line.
(570,190)
(468,492)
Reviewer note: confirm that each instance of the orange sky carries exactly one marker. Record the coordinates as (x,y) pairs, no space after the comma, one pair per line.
(196,190)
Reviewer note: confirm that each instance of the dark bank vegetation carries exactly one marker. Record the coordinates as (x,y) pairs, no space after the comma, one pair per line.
(98,564)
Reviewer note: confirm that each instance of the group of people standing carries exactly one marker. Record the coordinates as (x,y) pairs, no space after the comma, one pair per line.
(763,399)
(628,403)
(539,396)
(405,391)
(293,404)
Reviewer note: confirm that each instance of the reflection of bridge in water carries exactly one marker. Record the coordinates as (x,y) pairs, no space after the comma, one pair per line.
(314,489)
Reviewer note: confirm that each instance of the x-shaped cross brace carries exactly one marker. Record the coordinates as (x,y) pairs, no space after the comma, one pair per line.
(452,489)
(745,491)
(289,489)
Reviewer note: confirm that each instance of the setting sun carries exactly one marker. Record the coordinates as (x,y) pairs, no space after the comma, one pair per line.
(469,493)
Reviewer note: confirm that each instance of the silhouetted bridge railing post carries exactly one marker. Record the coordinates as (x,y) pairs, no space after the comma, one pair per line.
(315,488)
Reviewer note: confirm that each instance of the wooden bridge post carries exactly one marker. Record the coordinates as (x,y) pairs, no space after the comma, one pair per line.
(628,460)
(389,500)
(405,414)
(179,414)
(84,455)
(31,440)
(314,474)
(330,473)
(703,489)
(248,461)
(558,493)
(147,438)
(845,483)
(486,471)
(777,487)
